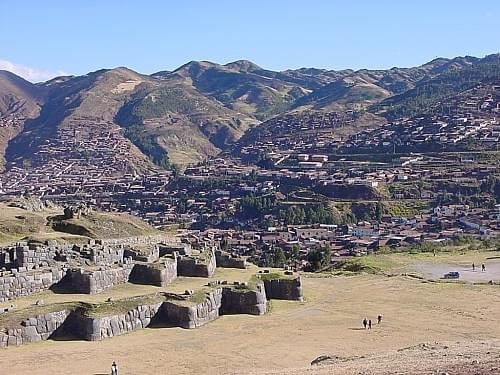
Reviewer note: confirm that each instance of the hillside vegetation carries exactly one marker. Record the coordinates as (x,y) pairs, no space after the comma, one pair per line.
(49,223)
(201,108)
(431,91)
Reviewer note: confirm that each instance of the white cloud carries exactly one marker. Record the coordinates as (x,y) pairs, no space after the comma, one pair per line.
(28,73)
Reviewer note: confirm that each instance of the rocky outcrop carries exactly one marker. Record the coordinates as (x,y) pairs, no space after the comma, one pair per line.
(158,274)
(37,328)
(187,314)
(227,261)
(241,300)
(289,289)
(99,328)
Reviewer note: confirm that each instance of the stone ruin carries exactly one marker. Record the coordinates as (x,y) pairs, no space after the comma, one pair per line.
(229,260)
(76,212)
(189,310)
(200,266)
(28,268)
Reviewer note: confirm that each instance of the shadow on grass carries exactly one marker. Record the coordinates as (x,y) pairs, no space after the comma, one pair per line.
(61,290)
(159,324)
(66,337)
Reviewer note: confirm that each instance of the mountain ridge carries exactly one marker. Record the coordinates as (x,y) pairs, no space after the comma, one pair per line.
(200,108)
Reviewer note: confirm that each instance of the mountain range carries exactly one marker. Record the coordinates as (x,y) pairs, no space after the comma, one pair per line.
(183,116)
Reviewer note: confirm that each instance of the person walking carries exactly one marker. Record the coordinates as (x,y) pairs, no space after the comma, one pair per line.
(379,319)
(473,267)
(370,324)
(114,369)
(483,268)
(365,322)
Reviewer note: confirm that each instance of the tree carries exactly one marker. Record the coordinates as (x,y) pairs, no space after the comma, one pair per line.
(269,222)
(379,211)
(319,257)
(315,258)
(279,258)
(327,255)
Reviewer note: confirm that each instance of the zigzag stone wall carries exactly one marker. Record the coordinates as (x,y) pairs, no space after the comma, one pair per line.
(187,266)
(244,301)
(158,274)
(94,282)
(37,328)
(288,289)
(176,310)
(96,329)
(196,315)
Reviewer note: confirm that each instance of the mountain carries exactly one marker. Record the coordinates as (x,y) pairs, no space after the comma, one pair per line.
(130,122)
(179,121)
(20,101)
(356,90)
(81,109)
(453,76)
(18,95)
(241,86)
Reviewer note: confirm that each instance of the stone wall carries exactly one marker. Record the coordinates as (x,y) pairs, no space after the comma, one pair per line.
(37,328)
(289,289)
(186,311)
(196,267)
(8,257)
(244,301)
(137,240)
(30,256)
(18,283)
(227,261)
(105,255)
(137,255)
(94,282)
(182,315)
(181,249)
(96,329)
(160,274)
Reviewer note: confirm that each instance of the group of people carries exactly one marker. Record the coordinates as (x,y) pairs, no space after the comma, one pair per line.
(367,323)
(483,267)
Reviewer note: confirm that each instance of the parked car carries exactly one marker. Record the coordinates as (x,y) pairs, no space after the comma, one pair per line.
(452,275)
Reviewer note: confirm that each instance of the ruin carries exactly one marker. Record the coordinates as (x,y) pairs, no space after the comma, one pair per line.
(91,268)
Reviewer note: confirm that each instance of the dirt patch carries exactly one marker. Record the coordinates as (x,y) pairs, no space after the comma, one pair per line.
(437,270)
(294,333)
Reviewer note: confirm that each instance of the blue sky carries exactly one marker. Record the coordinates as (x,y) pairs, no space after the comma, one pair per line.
(45,38)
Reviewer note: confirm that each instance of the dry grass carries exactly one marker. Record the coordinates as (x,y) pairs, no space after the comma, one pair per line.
(19,224)
(291,336)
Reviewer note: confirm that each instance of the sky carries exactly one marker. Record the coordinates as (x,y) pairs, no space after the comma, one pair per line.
(43,39)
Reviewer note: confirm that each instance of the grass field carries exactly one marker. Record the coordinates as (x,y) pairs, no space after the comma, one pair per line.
(293,333)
